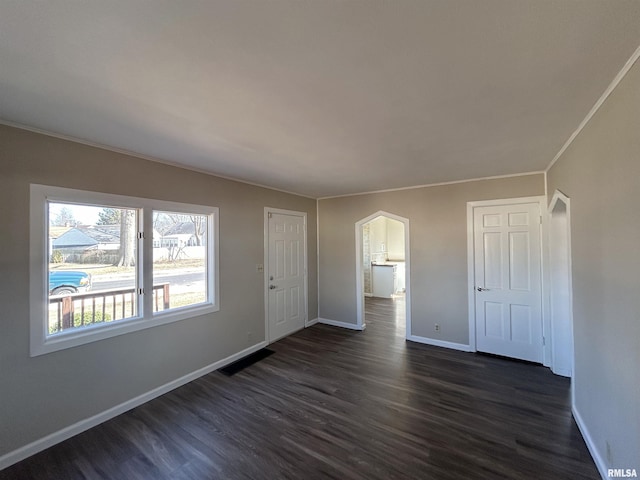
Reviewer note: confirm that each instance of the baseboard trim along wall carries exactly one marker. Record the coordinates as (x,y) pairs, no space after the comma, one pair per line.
(310,323)
(440,343)
(335,323)
(83,425)
(593,450)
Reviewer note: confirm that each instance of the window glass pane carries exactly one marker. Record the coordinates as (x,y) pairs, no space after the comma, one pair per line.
(179,260)
(91,269)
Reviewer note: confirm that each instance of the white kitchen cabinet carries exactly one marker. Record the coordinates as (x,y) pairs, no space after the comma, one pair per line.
(383,279)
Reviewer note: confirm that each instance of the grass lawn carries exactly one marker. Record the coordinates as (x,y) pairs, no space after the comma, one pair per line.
(99,269)
(113,312)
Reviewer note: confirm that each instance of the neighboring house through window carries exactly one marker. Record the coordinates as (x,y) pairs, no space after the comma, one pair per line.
(103,265)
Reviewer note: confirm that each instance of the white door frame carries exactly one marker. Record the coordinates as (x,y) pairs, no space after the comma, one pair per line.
(267,211)
(541,201)
(360,270)
(561,225)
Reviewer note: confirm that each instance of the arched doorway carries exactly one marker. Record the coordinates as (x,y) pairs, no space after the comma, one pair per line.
(561,287)
(379,256)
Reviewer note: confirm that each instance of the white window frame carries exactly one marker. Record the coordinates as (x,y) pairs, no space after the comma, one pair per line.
(40,341)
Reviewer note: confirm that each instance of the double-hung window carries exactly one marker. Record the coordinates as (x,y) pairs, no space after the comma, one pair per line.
(103,265)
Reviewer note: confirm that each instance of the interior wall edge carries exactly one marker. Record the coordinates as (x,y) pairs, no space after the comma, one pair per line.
(591,446)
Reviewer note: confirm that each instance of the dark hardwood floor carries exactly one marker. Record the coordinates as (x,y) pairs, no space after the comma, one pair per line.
(335,403)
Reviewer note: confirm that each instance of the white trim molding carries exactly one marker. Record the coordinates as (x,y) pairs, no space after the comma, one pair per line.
(335,323)
(311,322)
(440,343)
(541,201)
(609,90)
(267,212)
(360,294)
(83,425)
(131,153)
(591,446)
(439,184)
(41,197)
(559,241)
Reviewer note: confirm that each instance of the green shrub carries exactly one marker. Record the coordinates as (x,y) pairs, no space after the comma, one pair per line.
(88,318)
(57,257)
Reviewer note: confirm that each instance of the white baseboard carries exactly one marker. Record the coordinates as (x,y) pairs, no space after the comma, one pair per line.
(311,322)
(563,372)
(440,343)
(370,295)
(83,425)
(593,450)
(335,323)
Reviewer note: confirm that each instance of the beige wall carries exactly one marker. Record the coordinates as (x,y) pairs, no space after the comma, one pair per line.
(395,240)
(600,172)
(41,395)
(438,237)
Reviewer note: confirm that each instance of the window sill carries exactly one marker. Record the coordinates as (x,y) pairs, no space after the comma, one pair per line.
(94,333)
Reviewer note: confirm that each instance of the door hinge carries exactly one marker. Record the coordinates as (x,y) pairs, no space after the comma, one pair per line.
(540,219)
(140,235)
(544,341)
(141,291)
(270,214)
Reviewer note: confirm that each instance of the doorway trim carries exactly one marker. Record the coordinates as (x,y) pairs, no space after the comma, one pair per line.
(541,201)
(265,269)
(561,225)
(360,325)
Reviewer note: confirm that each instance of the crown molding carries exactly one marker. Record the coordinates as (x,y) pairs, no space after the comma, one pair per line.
(427,185)
(130,153)
(612,86)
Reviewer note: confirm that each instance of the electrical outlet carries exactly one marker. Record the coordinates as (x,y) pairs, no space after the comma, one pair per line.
(437,327)
(259,268)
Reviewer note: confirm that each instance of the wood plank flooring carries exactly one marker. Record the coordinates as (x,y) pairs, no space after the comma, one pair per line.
(338,404)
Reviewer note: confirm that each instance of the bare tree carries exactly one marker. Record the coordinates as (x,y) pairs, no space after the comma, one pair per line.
(199,224)
(175,223)
(127,239)
(161,222)
(65,218)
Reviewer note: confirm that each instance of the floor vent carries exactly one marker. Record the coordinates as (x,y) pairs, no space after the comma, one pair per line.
(245,362)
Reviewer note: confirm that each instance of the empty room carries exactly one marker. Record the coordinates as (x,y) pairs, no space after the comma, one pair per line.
(360,239)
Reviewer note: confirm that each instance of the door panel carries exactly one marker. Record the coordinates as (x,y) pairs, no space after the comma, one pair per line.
(519,256)
(493,260)
(507,263)
(494,320)
(521,323)
(286,271)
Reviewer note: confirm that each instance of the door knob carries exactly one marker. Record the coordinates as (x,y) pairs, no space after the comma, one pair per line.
(271,287)
(480,289)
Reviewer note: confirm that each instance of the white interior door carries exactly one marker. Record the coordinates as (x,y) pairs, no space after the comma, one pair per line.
(286,271)
(508,290)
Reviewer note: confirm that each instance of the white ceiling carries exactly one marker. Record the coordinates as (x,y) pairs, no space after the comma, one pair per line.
(322,97)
